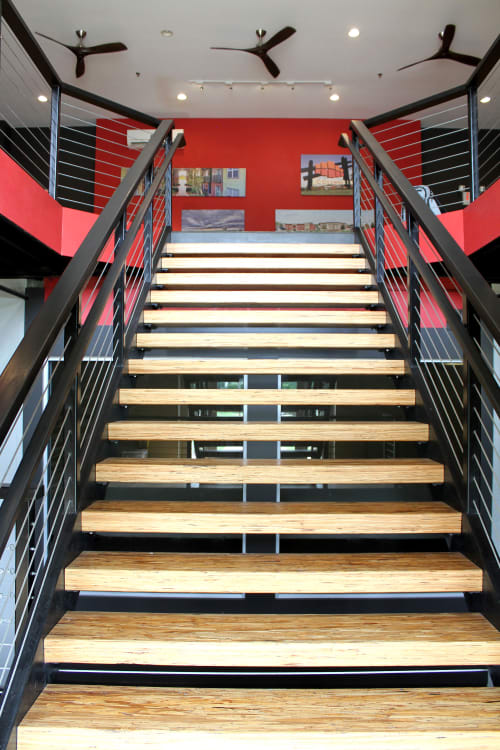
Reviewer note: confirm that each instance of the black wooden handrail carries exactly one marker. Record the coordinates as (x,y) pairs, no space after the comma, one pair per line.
(24,366)
(490,305)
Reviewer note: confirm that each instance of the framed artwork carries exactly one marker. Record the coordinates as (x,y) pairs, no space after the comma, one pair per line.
(225,220)
(227,182)
(325,174)
(296,220)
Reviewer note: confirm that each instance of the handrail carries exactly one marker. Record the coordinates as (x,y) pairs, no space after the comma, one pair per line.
(23,368)
(472,282)
(469,347)
(104,103)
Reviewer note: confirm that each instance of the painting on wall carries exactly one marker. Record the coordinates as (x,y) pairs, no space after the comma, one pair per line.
(325,174)
(290,220)
(228,182)
(222,220)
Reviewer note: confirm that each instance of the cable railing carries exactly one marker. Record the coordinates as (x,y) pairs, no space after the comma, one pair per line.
(448,322)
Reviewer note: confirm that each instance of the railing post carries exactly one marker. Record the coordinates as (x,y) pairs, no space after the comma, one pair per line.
(472,117)
(119,300)
(168,186)
(356,186)
(414,316)
(55,127)
(71,433)
(379,229)
(148,230)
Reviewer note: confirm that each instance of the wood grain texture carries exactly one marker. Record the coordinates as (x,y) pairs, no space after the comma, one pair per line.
(270,279)
(252,316)
(95,717)
(181,517)
(264,297)
(288,430)
(303,249)
(281,366)
(270,640)
(228,262)
(285,396)
(207,340)
(265,573)
(269,471)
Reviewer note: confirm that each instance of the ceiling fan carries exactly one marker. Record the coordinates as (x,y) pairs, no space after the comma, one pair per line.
(445,53)
(81,51)
(262,48)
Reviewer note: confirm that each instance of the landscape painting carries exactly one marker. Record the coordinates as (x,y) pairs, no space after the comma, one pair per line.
(222,220)
(325,174)
(228,182)
(290,220)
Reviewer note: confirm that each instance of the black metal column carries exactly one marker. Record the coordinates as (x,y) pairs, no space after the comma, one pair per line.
(148,231)
(472,117)
(356,186)
(379,229)
(414,315)
(55,127)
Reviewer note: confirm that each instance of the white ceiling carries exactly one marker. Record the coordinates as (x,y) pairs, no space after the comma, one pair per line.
(393,33)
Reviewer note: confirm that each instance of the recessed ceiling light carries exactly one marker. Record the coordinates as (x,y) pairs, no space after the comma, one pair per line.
(353,33)
(485,99)
(42,98)
(334,98)
(182,97)
(166,33)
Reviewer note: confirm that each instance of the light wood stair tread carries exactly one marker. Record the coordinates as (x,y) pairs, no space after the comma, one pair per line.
(228,262)
(271,278)
(284,396)
(253,316)
(267,340)
(273,573)
(141,516)
(95,717)
(262,471)
(287,430)
(278,366)
(264,297)
(273,640)
(303,249)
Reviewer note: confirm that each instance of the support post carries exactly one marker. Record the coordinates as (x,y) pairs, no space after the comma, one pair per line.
(119,301)
(414,316)
(55,127)
(472,117)
(148,231)
(379,229)
(356,186)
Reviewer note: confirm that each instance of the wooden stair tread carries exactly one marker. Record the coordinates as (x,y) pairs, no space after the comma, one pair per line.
(284,396)
(288,430)
(264,297)
(273,640)
(90,717)
(279,366)
(262,471)
(141,516)
(253,316)
(303,249)
(272,279)
(271,573)
(267,340)
(228,262)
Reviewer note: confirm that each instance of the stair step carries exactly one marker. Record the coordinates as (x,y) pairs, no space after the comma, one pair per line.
(267,340)
(357,573)
(275,280)
(303,249)
(288,430)
(271,471)
(268,640)
(180,517)
(204,316)
(270,366)
(264,297)
(95,717)
(284,396)
(265,263)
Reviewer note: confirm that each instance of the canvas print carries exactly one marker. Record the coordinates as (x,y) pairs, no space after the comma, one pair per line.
(226,220)
(228,182)
(325,174)
(290,220)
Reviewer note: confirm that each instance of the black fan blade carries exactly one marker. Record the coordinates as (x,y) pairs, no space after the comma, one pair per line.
(71,47)
(270,65)
(448,34)
(80,66)
(279,37)
(235,49)
(100,49)
(416,63)
(465,59)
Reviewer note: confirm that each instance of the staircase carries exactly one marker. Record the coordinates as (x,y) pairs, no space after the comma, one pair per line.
(284,528)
